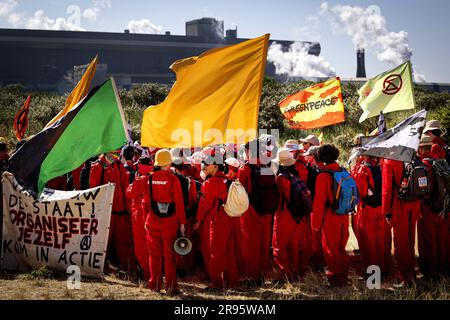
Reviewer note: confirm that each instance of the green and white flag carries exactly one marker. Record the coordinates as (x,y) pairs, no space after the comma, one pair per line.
(387,92)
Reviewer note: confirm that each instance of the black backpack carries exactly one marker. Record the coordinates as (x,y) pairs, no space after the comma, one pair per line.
(185,186)
(415,181)
(300,202)
(131,171)
(264,196)
(162,210)
(313,172)
(375,199)
(440,193)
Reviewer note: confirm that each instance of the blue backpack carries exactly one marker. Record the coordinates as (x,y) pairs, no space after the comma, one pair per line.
(345,192)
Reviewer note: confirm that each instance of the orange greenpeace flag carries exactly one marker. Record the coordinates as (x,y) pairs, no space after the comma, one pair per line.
(315,107)
(215,98)
(79,92)
(21,120)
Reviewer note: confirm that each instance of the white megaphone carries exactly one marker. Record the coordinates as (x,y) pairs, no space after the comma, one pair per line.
(182,246)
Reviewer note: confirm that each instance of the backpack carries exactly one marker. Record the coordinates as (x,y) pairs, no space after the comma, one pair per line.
(131,172)
(185,187)
(447,153)
(440,197)
(415,181)
(264,196)
(375,199)
(237,199)
(345,192)
(300,202)
(161,209)
(313,172)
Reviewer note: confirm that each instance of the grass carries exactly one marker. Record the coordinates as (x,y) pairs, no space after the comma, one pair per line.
(44,284)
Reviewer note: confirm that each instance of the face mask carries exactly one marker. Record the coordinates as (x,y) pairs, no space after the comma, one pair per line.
(269,148)
(203,175)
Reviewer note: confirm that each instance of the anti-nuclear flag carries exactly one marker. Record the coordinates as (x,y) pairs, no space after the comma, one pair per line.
(215,98)
(79,92)
(315,107)
(387,92)
(21,120)
(96,125)
(399,143)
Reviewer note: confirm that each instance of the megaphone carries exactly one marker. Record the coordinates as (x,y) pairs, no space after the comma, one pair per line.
(182,246)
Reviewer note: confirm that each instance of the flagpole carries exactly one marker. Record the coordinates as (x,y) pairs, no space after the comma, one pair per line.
(119,103)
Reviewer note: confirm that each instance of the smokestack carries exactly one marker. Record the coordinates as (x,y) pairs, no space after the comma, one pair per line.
(360,64)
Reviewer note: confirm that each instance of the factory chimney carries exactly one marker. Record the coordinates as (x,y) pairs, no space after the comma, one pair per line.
(360,64)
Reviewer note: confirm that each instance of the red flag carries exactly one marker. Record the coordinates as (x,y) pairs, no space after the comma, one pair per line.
(21,120)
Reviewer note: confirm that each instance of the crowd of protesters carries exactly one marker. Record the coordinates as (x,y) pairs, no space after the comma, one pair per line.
(163,194)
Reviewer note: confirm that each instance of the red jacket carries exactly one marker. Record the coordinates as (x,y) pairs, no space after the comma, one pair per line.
(135,192)
(391,172)
(102,173)
(244,176)
(437,149)
(323,196)
(302,169)
(165,188)
(214,189)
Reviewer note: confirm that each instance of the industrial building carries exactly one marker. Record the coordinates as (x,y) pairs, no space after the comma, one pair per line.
(55,60)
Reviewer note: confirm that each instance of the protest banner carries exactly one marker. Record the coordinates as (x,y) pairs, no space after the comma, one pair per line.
(60,229)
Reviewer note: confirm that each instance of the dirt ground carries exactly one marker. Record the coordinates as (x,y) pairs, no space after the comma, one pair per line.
(51,286)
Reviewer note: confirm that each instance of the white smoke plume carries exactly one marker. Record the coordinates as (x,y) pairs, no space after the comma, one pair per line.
(143,26)
(367,27)
(296,62)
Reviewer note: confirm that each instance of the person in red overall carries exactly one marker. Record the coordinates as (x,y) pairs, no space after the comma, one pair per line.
(222,269)
(186,265)
(291,240)
(402,215)
(434,130)
(431,228)
(334,227)
(106,169)
(256,229)
(163,203)
(372,223)
(297,153)
(135,193)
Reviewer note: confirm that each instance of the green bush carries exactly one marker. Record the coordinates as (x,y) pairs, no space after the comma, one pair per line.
(44,106)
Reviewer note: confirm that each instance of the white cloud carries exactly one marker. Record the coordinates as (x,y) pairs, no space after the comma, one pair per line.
(296,62)
(91,13)
(7,7)
(143,26)
(41,21)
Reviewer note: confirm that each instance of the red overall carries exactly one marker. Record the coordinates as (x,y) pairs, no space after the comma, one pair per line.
(372,224)
(135,193)
(432,229)
(120,232)
(187,263)
(334,227)
(291,241)
(204,219)
(317,257)
(256,234)
(162,232)
(223,230)
(404,218)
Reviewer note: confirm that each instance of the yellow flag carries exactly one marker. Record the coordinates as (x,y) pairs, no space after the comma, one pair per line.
(390,91)
(317,106)
(215,98)
(79,92)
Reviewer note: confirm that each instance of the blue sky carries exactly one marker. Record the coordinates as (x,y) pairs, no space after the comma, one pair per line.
(426,22)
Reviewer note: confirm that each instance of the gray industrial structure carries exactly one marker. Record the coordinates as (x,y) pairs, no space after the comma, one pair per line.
(54,60)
